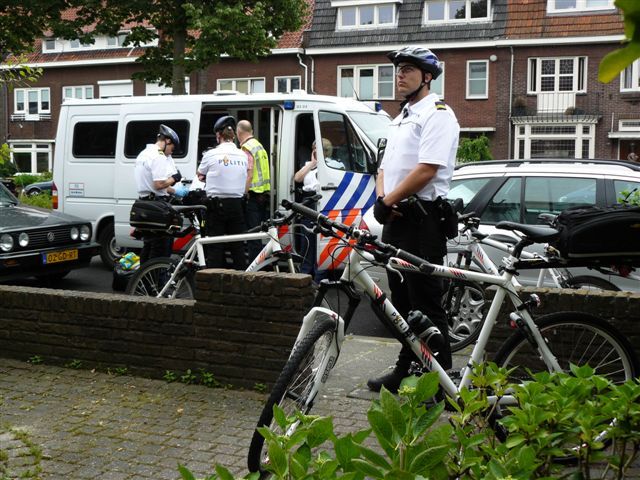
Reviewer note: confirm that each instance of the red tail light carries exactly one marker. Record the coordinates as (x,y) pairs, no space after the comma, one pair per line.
(54,196)
(363,225)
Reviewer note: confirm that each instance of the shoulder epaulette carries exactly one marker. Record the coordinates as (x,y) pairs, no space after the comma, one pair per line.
(441,106)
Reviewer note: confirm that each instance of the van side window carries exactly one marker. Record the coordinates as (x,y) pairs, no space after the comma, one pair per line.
(140,133)
(347,151)
(94,139)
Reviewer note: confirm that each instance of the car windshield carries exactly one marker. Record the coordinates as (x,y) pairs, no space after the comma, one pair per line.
(6,198)
(374,125)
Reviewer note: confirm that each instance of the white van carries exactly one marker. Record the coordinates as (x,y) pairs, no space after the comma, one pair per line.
(98,141)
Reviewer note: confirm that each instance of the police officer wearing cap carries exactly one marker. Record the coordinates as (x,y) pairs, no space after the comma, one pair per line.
(156,177)
(413,178)
(224,170)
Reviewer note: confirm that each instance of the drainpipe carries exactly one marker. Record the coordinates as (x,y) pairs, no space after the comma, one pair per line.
(313,74)
(305,72)
(511,127)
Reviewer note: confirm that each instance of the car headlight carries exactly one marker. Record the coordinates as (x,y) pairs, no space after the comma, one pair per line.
(6,242)
(23,239)
(85,233)
(74,233)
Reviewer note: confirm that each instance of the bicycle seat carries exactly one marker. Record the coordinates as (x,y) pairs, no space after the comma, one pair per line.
(535,233)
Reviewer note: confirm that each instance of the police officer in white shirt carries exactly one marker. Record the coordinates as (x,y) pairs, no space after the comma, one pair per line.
(156,177)
(224,170)
(413,179)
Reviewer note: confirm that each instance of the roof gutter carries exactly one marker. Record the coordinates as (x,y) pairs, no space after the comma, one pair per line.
(302,64)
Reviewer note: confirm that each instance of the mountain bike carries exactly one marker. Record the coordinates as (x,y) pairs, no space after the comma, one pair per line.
(170,278)
(465,301)
(551,343)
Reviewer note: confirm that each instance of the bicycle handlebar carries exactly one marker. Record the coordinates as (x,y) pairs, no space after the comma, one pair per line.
(363,237)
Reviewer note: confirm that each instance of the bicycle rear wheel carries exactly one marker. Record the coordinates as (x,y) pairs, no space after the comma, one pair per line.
(574,338)
(151,277)
(465,306)
(294,389)
(589,282)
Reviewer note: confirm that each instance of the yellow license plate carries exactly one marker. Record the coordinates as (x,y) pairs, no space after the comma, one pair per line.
(63,256)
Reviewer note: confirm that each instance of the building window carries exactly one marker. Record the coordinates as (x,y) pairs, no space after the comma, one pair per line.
(286,84)
(118,41)
(48,45)
(557,75)
(115,88)
(366,16)
(560,6)
(478,79)
(31,157)
(555,141)
(630,78)
(81,92)
(242,85)
(366,82)
(456,10)
(155,89)
(32,101)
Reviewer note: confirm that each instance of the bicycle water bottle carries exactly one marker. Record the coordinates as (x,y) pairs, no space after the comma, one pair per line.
(425,329)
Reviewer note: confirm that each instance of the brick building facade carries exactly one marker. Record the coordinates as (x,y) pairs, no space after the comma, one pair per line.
(522,73)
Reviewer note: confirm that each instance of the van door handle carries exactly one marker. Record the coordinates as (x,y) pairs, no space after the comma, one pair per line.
(331,186)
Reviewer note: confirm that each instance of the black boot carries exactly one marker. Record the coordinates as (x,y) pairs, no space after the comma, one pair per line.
(391,380)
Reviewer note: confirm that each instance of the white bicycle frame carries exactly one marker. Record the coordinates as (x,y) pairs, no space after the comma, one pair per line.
(267,256)
(357,275)
(484,262)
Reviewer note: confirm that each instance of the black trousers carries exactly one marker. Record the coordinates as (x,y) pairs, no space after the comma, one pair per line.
(421,235)
(257,212)
(225,216)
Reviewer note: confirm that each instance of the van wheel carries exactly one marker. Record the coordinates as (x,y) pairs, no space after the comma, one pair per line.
(109,250)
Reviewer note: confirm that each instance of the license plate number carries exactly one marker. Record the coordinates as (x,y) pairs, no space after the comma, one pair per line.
(63,256)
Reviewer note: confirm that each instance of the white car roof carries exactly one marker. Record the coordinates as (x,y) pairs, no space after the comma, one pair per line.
(546,167)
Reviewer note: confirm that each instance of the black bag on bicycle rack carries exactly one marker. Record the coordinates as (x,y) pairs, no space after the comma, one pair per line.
(591,232)
(154,215)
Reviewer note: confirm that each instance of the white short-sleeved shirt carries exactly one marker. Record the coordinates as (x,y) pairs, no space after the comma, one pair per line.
(310,181)
(152,165)
(425,132)
(225,168)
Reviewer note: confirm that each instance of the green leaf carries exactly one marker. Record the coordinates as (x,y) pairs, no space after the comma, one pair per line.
(366,468)
(223,473)
(277,459)
(279,416)
(346,450)
(393,412)
(185,473)
(614,62)
(375,458)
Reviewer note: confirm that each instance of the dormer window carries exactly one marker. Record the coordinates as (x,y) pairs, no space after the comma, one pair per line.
(365,14)
(442,11)
(48,45)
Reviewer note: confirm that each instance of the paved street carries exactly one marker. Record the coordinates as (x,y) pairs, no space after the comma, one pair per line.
(61,423)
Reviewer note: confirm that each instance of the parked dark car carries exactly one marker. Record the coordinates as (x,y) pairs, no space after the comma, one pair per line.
(39,242)
(38,187)
(10,184)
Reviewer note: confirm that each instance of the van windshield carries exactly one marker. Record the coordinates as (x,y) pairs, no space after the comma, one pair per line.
(374,125)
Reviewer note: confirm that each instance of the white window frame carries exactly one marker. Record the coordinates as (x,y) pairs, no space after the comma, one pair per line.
(355,92)
(634,71)
(288,78)
(484,96)
(577,137)
(440,80)
(234,83)
(42,113)
(629,125)
(114,83)
(34,148)
(376,17)
(579,84)
(85,89)
(45,49)
(427,21)
(581,6)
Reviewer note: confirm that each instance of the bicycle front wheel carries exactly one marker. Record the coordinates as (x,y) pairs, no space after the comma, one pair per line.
(574,338)
(151,277)
(294,389)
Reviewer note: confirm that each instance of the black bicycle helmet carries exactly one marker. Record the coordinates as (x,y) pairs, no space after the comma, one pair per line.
(224,122)
(423,58)
(169,133)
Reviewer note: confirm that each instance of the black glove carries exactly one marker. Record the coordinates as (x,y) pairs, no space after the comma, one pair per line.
(177,177)
(381,212)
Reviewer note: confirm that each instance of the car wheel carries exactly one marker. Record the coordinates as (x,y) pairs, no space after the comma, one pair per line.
(109,250)
(33,191)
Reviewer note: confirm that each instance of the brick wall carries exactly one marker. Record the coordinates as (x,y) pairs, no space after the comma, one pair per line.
(241,327)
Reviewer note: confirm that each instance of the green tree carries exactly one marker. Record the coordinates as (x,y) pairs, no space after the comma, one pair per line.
(184,36)
(616,61)
(474,149)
